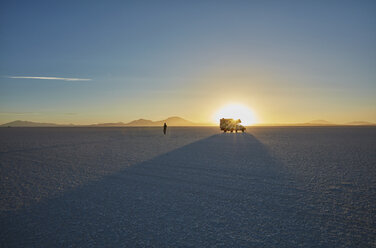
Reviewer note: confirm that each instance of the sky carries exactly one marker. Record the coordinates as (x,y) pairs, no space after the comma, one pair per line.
(85,62)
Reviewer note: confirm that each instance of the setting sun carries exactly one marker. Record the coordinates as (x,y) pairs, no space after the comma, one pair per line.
(236,111)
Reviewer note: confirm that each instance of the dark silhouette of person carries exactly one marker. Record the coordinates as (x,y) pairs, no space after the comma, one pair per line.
(164,128)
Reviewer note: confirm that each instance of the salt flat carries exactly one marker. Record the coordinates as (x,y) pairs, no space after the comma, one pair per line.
(135,187)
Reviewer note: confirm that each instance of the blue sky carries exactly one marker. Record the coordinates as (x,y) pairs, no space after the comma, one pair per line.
(289,61)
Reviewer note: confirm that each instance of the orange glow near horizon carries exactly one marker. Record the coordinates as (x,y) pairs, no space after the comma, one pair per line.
(236,111)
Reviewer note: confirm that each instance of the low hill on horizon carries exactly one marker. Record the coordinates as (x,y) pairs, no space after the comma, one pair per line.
(140,122)
(19,123)
(360,123)
(327,123)
(319,122)
(171,121)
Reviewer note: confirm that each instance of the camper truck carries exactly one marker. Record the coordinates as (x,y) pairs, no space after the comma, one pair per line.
(231,125)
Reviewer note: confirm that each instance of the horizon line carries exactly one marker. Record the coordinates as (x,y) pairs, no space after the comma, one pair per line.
(197,124)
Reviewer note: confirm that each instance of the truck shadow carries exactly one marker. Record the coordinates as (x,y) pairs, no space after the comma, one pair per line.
(225,190)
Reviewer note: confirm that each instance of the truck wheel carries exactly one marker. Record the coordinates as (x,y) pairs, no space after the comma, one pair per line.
(242,130)
(236,131)
(232,130)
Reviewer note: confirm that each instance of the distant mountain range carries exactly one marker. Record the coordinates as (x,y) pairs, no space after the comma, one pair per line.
(321,123)
(327,123)
(19,123)
(174,121)
(171,121)
(360,123)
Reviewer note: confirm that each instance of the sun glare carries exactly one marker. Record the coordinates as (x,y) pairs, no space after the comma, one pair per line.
(236,111)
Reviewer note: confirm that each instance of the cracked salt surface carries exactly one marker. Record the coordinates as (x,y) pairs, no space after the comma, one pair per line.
(135,187)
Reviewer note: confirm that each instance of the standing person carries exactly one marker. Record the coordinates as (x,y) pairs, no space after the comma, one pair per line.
(164,128)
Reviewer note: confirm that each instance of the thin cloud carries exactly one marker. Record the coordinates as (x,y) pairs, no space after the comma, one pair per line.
(52,78)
